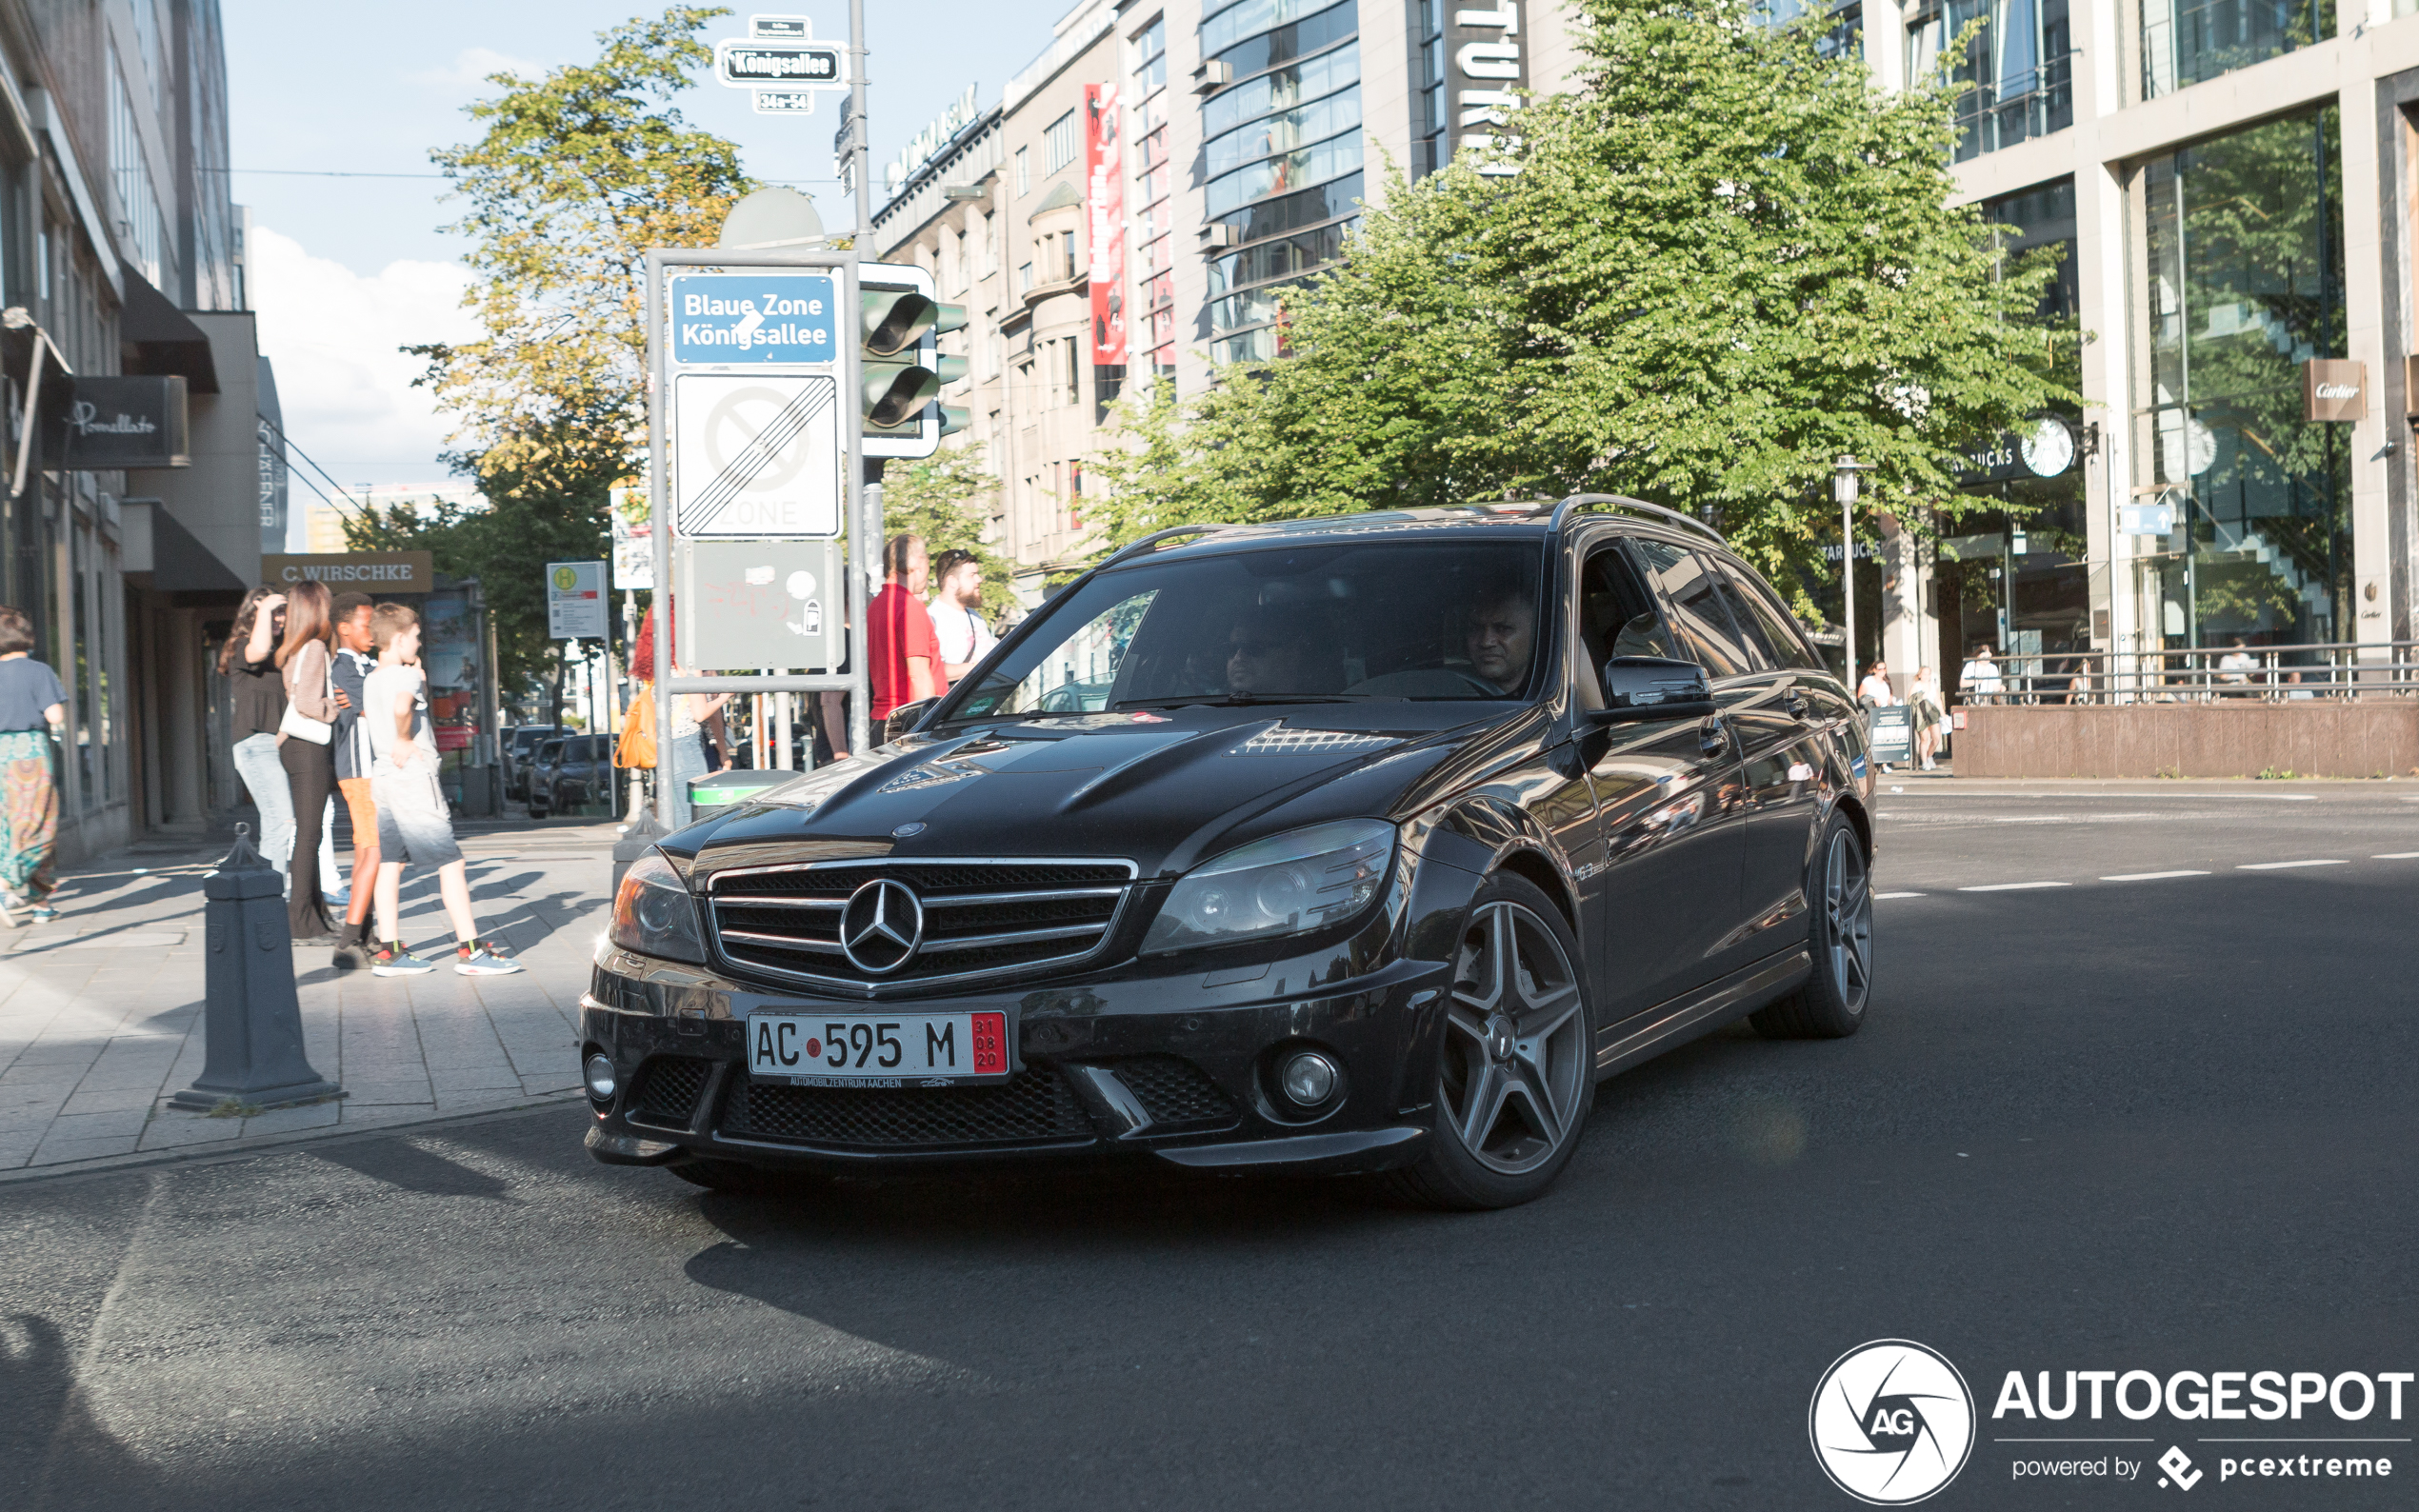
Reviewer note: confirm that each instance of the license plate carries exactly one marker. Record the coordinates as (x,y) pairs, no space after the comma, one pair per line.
(878,1049)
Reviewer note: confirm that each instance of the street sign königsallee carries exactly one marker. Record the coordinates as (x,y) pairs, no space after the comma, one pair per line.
(771,319)
(753,65)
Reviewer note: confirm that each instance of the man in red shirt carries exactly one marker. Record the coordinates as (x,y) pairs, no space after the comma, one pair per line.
(905,664)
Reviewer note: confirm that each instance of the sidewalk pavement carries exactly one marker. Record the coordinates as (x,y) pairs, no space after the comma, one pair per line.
(101,1009)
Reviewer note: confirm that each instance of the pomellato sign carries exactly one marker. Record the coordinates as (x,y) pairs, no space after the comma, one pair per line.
(106,423)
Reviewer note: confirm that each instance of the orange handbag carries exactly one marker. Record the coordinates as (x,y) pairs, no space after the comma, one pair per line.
(636,747)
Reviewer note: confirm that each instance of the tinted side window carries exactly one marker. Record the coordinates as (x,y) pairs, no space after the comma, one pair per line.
(1754,605)
(1692,603)
(1617,616)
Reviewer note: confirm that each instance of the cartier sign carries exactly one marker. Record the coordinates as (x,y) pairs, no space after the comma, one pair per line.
(2333,389)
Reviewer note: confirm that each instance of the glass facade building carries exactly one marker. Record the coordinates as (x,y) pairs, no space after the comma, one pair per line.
(2245,282)
(1281,161)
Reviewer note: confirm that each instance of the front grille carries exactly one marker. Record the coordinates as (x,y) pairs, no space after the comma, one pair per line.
(980,917)
(1031,1107)
(1175,1092)
(668,1089)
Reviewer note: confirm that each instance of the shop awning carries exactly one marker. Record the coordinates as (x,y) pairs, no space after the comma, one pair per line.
(155,339)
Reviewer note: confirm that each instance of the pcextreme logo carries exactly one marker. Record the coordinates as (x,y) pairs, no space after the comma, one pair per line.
(1891,1422)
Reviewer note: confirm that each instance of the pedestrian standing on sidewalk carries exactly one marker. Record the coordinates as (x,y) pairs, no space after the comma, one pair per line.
(903,656)
(1876,691)
(1930,714)
(305,735)
(963,636)
(248,662)
(355,658)
(414,827)
(1979,679)
(33,710)
(689,755)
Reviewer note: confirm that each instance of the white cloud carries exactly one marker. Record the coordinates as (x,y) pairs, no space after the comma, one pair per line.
(470,67)
(343,382)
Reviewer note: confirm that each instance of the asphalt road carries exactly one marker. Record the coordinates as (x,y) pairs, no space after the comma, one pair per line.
(2162,1123)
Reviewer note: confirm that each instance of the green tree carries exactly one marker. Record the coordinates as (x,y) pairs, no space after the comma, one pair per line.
(574,175)
(941,498)
(1724,260)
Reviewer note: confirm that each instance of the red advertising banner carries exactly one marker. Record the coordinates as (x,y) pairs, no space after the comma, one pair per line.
(1104,198)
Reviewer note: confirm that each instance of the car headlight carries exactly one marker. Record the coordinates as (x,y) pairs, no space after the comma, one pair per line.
(653,913)
(1289,884)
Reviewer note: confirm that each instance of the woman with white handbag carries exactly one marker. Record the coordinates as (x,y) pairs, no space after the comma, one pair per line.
(303,749)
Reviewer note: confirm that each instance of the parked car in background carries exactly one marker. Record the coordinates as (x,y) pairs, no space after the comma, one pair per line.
(538,783)
(520,745)
(583,773)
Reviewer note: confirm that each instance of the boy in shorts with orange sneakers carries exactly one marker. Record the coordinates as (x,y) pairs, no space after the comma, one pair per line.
(414,825)
(354,660)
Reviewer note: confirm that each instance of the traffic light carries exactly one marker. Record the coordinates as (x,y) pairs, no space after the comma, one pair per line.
(901,369)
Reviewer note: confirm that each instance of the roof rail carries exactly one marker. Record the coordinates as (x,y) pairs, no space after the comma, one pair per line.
(1579,501)
(1146,542)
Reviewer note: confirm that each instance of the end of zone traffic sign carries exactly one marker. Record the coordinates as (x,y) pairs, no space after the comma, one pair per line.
(753,318)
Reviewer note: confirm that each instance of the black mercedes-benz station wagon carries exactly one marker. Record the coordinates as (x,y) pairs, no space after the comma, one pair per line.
(1356,845)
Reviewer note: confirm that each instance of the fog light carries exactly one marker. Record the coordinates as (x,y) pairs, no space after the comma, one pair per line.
(1308,1079)
(600,1078)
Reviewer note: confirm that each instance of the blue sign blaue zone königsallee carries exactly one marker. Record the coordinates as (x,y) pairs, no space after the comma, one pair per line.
(758,319)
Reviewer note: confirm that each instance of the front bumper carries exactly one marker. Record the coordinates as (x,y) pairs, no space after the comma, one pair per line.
(1174,1067)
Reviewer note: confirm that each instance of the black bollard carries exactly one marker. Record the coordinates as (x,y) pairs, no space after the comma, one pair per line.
(250,1016)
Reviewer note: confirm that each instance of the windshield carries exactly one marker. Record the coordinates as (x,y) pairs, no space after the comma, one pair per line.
(1388,620)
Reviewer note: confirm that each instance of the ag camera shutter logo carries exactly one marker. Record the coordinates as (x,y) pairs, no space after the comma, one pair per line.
(1891,1423)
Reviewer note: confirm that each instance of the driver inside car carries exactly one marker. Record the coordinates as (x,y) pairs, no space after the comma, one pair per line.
(1501,635)
(1270,652)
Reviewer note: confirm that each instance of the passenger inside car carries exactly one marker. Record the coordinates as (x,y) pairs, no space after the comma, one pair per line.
(1502,633)
(1276,650)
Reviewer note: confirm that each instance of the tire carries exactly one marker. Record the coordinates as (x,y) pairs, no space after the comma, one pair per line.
(746,1181)
(1516,1057)
(1839,899)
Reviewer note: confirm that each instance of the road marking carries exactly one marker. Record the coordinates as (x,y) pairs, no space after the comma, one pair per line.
(2397,855)
(1898,895)
(2279,865)
(2151,876)
(2014,886)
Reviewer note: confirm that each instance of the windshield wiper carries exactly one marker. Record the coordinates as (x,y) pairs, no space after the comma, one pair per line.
(1238,699)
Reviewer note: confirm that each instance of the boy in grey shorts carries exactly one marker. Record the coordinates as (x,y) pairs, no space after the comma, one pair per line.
(414,823)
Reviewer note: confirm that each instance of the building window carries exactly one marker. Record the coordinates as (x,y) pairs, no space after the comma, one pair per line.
(1150,57)
(1059,142)
(990,245)
(1431,128)
(2187,41)
(1067,264)
(1282,154)
(2244,235)
(1843,25)
(1024,278)
(142,233)
(2016,75)
(1024,170)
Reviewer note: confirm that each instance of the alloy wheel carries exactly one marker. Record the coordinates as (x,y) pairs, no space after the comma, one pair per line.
(1516,1054)
(1847,916)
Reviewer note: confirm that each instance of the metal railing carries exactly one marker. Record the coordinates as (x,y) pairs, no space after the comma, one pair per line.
(2318,670)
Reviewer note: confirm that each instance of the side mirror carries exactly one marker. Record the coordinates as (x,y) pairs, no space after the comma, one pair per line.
(1654,687)
(904,718)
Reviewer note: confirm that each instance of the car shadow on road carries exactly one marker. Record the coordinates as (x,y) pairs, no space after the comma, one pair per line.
(52,1451)
(399,1162)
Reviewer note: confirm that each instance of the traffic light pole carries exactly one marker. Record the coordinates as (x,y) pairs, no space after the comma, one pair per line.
(865,504)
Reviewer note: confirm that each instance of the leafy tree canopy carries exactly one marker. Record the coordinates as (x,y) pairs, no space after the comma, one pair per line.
(1724,261)
(573,178)
(939,498)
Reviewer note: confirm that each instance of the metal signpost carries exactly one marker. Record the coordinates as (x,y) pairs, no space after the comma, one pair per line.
(752,437)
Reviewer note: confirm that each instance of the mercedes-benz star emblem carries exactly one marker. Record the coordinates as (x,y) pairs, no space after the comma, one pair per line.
(882,926)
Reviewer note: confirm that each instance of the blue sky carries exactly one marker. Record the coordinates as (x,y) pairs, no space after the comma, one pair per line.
(347,269)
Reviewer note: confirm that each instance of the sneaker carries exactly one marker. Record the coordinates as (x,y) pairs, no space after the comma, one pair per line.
(41,913)
(484,958)
(353,955)
(392,959)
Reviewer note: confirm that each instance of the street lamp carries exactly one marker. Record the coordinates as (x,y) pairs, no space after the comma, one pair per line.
(1843,473)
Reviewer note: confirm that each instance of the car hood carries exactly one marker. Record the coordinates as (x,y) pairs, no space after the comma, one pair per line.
(1162,791)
